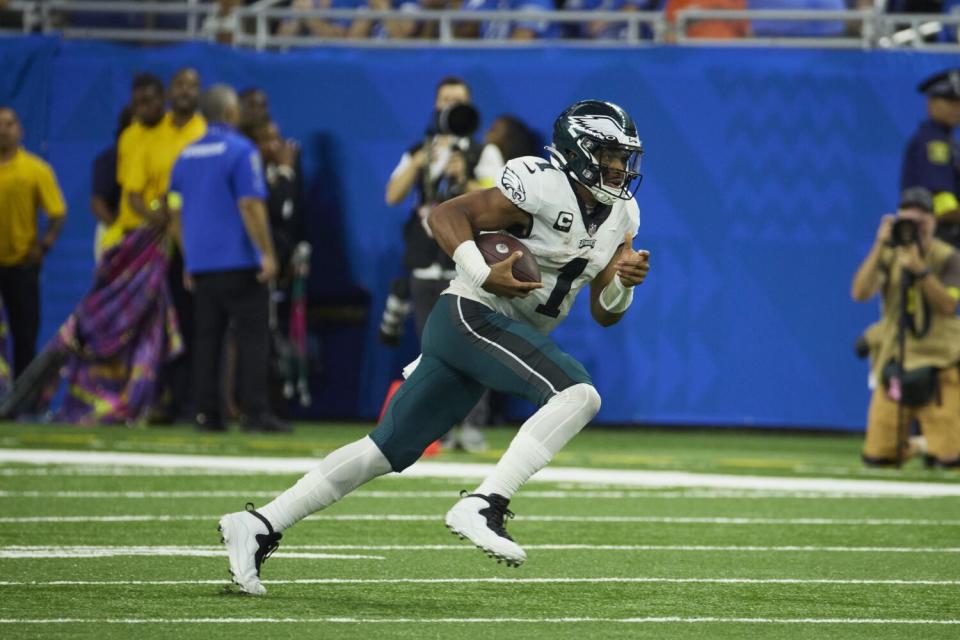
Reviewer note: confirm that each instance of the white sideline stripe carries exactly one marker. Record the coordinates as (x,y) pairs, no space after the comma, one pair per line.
(394,495)
(128,472)
(426,469)
(76,551)
(20,552)
(380,517)
(647,620)
(618,580)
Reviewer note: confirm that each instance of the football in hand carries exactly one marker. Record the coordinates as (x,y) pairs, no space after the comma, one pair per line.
(497,247)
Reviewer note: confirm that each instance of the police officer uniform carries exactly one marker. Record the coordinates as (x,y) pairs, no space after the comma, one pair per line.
(932,157)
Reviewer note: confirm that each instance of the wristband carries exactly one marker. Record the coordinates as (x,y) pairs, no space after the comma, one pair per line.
(471,262)
(615,298)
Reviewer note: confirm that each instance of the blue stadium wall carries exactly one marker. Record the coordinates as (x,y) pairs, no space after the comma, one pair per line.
(764,177)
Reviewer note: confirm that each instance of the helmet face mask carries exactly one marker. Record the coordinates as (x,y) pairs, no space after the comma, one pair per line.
(596,143)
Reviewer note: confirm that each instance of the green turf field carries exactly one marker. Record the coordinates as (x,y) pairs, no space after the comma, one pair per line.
(132,551)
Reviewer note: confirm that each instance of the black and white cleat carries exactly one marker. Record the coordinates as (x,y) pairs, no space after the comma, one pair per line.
(481,519)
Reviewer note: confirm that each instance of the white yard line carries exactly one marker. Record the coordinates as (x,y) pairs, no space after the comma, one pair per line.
(540,581)
(396,517)
(528,620)
(313,551)
(20,552)
(562,494)
(621,477)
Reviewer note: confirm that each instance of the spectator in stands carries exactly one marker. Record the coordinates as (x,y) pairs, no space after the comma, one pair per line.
(147,103)
(601,30)
(318,27)
(709,29)
(918,279)
(380,29)
(932,156)
(27,185)
(105,189)
(218,203)
(222,24)
(504,29)
(797,28)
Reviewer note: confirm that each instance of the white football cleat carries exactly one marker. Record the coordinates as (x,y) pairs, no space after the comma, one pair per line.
(250,539)
(480,519)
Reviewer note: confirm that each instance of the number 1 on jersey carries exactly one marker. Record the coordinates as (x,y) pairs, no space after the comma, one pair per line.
(567,275)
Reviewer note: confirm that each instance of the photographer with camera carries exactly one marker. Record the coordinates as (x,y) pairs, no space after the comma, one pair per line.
(915,347)
(437,168)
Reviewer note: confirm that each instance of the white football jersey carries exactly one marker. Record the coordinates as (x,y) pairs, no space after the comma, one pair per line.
(570,247)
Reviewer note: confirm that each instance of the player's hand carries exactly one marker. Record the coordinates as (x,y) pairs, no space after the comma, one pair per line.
(501,282)
(884,230)
(268,268)
(632,266)
(187,281)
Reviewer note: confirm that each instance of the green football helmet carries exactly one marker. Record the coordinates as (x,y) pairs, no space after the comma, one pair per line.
(596,143)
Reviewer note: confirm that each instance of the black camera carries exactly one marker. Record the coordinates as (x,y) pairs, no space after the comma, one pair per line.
(904,232)
(461,119)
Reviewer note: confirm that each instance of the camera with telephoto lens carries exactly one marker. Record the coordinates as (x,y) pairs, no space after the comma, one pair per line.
(461,119)
(903,233)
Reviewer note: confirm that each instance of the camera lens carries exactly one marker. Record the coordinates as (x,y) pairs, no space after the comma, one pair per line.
(460,119)
(904,232)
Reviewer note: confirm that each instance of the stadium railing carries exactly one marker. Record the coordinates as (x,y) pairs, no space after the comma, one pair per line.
(255,25)
(49,17)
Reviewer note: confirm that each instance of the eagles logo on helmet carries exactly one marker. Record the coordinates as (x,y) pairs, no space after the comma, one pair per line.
(586,136)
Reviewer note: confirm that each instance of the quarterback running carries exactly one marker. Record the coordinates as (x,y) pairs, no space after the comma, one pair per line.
(576,214)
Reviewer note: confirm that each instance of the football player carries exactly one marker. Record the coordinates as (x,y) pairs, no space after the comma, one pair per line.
(577,215)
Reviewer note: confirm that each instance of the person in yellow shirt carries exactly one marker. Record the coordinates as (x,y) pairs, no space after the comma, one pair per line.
(27,184)
(147,102)
(148,174)
(147,180)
